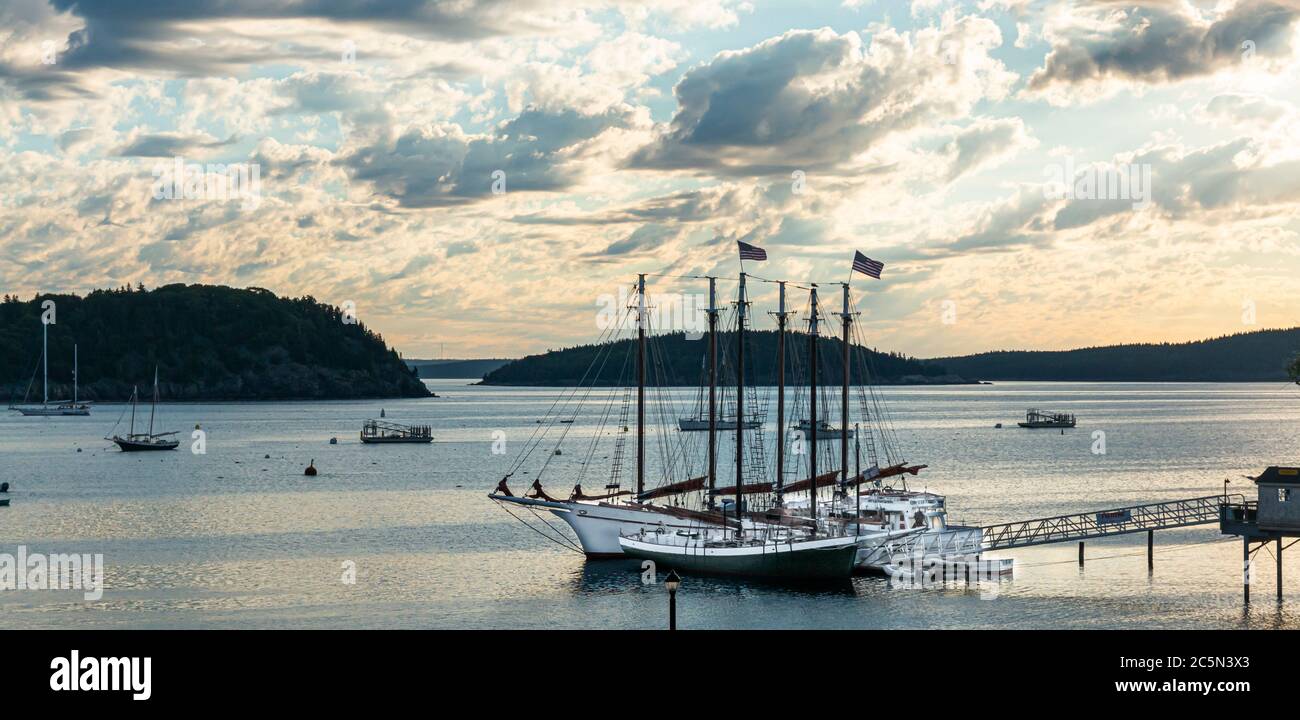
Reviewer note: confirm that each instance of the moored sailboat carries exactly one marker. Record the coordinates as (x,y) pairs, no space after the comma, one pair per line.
(598,521)
(783,546)
(60,407)
(138,442)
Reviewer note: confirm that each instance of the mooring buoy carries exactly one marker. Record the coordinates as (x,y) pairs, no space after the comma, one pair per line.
(311,468)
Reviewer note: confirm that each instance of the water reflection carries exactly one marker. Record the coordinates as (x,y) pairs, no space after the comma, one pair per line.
(604,576)
(234,538)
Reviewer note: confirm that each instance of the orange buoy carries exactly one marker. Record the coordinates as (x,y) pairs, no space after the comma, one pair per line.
(311,468)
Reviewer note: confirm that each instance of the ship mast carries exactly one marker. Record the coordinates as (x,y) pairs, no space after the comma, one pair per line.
(740,403)
(844,396)
(640,386)
(74,375)
(857,470)
(812,409)
(781,315)
(153,407)
(713,388)
(45,363)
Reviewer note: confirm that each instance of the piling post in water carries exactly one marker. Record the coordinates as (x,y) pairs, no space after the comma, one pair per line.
(1080,553)
(1245,568)
(1279,569)
(1151,544)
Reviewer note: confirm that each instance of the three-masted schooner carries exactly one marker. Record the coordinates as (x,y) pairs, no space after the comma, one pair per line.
(137,442)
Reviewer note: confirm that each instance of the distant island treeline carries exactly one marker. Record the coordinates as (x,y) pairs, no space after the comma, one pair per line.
(1258,356)
(1261,355)
(682,360)
(209,342)
(456,368)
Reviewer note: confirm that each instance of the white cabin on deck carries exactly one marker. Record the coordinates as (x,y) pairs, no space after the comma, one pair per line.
(905,509)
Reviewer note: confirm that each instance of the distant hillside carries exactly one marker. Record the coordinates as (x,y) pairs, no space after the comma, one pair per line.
(1251,356)
(456,368)
(209,342)
(683,360)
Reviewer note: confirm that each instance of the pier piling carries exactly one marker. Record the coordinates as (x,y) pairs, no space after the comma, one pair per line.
(1245,568)
(1151,545)
(1080,553)
(1279,569)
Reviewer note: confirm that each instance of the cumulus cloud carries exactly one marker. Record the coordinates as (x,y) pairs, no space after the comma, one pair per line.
(441,165)
(985,143)
(626,140)
(1100,47)
(815,99)
(169,144)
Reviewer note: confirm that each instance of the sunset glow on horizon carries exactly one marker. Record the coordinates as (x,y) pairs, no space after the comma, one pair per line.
(475,178)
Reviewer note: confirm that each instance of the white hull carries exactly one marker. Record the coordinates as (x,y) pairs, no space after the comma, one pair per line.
(53,411)
(786,559)
(599,524)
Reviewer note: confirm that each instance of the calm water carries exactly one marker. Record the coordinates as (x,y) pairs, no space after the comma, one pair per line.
(237,537)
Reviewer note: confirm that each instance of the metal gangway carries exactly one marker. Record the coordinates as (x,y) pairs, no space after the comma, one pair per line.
(1104,523)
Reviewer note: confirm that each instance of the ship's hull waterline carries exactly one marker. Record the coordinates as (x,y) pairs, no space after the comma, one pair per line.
(53,412)
(140,446)
(810,560)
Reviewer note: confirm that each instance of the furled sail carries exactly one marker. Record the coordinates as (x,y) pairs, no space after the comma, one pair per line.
(823,480)
(676,488)
(750,489)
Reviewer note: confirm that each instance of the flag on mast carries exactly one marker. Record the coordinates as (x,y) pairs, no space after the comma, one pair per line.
(866,265)
(751,252)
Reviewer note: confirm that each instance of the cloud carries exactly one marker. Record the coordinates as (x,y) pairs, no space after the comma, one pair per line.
(1100,48)
(626,142)
(440,165)
(1236,110)
(984,144)
(169,144)
(814,99)
(73,140)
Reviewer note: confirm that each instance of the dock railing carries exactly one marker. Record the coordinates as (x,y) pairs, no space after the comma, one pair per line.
(1112,521)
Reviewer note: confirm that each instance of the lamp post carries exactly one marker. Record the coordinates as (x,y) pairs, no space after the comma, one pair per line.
(672,582)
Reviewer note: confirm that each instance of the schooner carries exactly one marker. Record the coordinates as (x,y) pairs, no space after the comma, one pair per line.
(761,525)
(137,442)
(778,546)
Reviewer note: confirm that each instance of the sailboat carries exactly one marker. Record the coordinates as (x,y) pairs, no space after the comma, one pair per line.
(915,521)
(785,546)
(691,523)
(824,429)
(599,520)
(136,442)
(61,408)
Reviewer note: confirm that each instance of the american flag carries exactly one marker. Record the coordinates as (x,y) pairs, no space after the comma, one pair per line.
(750,252)
(866,265)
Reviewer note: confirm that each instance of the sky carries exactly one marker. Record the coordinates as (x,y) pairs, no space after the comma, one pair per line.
(477,178)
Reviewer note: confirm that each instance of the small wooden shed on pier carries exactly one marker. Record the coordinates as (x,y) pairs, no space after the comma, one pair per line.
(1279,499)
(1270,519)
